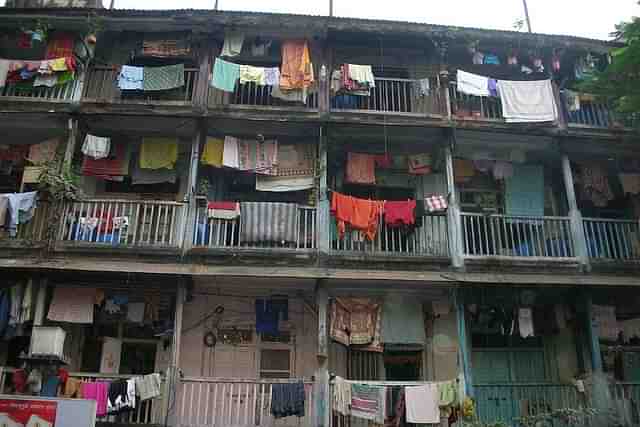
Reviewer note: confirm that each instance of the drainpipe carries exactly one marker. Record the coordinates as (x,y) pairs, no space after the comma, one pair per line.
(575,217)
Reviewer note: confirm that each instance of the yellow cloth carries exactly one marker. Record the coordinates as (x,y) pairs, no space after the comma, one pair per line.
(158,153)
(249,73)
(58,64)
(212,153)
(72,388)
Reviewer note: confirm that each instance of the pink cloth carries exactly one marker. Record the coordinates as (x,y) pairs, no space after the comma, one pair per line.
(97,391)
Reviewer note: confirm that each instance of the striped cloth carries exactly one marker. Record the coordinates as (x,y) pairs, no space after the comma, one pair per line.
(435,203)
(268,222)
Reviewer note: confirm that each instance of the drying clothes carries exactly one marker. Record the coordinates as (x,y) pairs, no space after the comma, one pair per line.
(419,164)
(477,58)
(223,210)
(368,402)
(284,183)
(463,170)
(141,176)
(230,152)
(361,74)
(4,208)
(363,319)
(491,59)
(34,381)
(341,396)
(269,313)
(148,386)
(272,76)
(50,387)
(131,78)
(403,321)
(21,208)
(258,157)
(594,184)
(436,203)
(48,80)
(135,312)
(525,322)
(166,48)
(118,397)
(524,191)
(502,170)
(233,41)
(16,303)
(287,400)
(225,75)
(400,213)
(295,160)
(73,305)
(296,71)
(493,88)
(472,84)
(447,393)
(360,214)
(630,182)
(422,404)
(43,152)
(421,87)
(60,45)
(268,222)
(630,328)
(158,153)
(5,64)
(605,322)
(72,388)
(361,168)
(96,147)
(212,152)
(527,101)
(572,100)
(163,78)
(251,74)
(19,380)
(97,391)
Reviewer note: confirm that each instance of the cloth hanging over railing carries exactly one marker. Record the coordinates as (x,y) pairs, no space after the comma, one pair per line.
(268,222)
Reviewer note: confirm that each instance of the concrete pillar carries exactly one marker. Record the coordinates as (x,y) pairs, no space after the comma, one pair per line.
(454,223)
(322,397)
(575,217)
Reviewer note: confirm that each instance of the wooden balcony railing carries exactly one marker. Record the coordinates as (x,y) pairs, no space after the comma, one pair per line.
(507,402)
(235,402)
(123,223)
(68,92)
(34,231)
(102,86)
(612,239)
(471,107)
(430,239)
(595,114)
(215,233)
(394,95)
(524,237)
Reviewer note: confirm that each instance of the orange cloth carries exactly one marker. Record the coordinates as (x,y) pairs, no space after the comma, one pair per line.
(361,168)
(360,214)
(60,45)
(463,170)
(296,71)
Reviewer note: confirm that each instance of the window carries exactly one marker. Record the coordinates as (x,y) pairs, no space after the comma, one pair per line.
(275,363)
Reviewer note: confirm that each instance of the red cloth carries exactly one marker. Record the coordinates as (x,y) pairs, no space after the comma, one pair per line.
(360,214)
(15,153)
(108,167)
(384,160)
(61,44)
(19,378)
(361,168)
(64,375)
(224,206)
(397,214)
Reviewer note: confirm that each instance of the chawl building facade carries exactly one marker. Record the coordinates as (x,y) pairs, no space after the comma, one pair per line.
(292,220)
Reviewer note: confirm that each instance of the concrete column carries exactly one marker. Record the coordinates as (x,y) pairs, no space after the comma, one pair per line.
(464,352)
(454,222)
(322,397)
(187,228)
(173,372)
(323,215)
(575,217)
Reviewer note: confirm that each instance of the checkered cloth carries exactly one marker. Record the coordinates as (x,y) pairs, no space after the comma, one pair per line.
(436,203)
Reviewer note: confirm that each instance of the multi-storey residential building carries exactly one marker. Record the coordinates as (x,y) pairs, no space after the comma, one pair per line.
(206,212)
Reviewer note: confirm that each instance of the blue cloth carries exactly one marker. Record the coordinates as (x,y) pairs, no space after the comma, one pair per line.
(493,88)
(524,191)
(225,75)
(21,208)
(202,235)
(5,310)
(345,102)
(491,59)
(131,78)
(50,387)
(268,314)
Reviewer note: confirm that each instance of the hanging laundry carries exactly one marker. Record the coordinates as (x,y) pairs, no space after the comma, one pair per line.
(72,388)
(572,100)
(368,402)
(97,391)
(525,322)
(360,214)
(251,74)
(163,78)
(118,397)
(422,404)
(463,170)
(272,76)
(284,183)
(356,321)
(140,176)
(361,168)
(212,152)
(361,74)
(436,203)
(594,183)
(491,59)
(477,58)
(400,213)
(341,396)
(296,71)
(493,88)
(157,153)
(225,75)
(605,322)
(233,41)
(148,386)
(630,182)
(60,45)
(230,156)
(50,387)
(269,312)
(502,170)
(109,167)
(524,191)
(421,87)
(472,84)
(287,400)
(258,157)
(527,101)
(96,147)
(5,64)
(223,210)
(131,78)
(268,222)
(296,160)
(72,305)
(20,208)
(166,48)
(419,164)
(43,152)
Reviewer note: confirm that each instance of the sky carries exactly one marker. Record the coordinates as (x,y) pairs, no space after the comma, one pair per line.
(586,18)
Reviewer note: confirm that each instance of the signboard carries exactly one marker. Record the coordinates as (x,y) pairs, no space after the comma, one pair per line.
(27,413)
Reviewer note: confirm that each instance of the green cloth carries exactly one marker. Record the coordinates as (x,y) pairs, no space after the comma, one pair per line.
(225,75)
(65,77)
(163,78)
(402,321)
(448,392)
(524,191)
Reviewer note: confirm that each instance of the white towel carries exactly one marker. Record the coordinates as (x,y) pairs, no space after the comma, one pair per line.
(362,74)
(472,84)
(422,404)
(283,183)
(230,153)
(96,147)
(232,43)
(4,70)
(525,322)
(524,102)
(148,386)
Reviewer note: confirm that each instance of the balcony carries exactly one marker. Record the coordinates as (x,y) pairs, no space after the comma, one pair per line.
(101,86)
(235,402)
(596,114)
(516,238)
(469,107)
(396,97)
(65,93)
(428,240)
(612,240)
(253,96)
(122,224)
(32,233)
(226,235)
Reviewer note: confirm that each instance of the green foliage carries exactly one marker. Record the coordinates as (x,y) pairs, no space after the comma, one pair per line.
(567,416)
(59,182)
